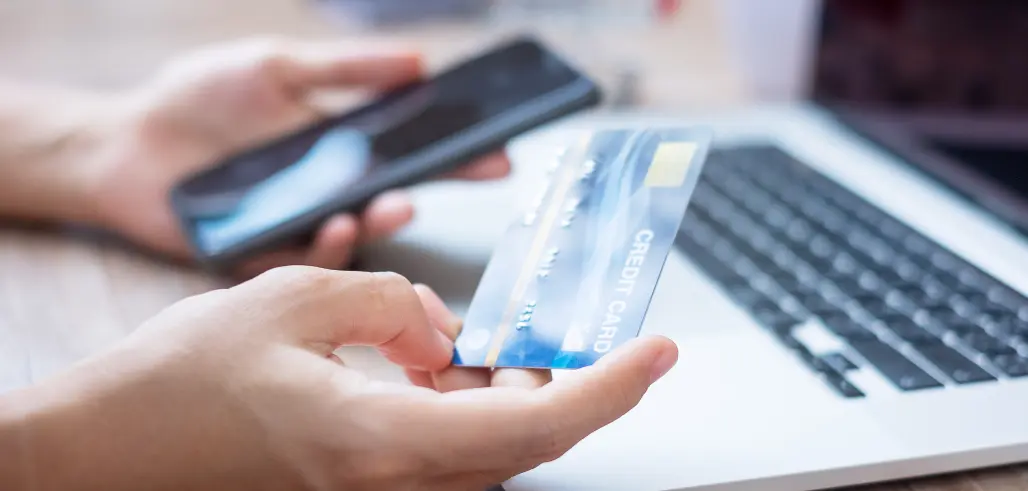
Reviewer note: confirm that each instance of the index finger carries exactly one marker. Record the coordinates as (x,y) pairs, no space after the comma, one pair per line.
(326,309)
(529,427)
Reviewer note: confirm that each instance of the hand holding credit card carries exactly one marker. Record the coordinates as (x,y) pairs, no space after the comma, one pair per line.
(573,277)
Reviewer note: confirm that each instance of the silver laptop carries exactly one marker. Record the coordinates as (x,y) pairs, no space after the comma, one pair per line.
(848,285)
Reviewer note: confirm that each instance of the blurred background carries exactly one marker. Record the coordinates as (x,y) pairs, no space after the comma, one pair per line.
(676,53)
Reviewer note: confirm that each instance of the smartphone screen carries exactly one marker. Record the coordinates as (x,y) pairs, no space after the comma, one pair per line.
(264,188)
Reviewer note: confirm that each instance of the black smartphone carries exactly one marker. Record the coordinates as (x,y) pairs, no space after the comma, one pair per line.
(280,193)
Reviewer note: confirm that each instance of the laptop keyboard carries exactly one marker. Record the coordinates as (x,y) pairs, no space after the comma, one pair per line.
(799,252)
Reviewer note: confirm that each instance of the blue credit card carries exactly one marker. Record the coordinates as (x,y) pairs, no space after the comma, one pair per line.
(573,277)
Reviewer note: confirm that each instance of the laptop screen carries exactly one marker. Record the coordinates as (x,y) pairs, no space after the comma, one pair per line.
(952,73)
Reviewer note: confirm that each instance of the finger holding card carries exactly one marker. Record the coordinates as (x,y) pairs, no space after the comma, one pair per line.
(462,378)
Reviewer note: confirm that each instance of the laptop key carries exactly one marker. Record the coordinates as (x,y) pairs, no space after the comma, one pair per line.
(907,270)
(828,373)
(923,299)
(948,317)
(816,304)
(955,365)
(747,297)
(889,276)
(902,372)
(1003,327)
(911,333)
(710,265)
(981,342)
(957,325)
(847,328)
(839,362)
(775,320)
(841,385)
(1012,365)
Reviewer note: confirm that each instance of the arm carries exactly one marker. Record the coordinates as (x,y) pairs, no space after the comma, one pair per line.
(14,465)
(48,137)
(23,416)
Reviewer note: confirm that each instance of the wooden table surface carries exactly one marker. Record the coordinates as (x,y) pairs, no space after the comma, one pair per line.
(65,297)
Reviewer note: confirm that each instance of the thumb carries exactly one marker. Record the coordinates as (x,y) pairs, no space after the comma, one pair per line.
(546,422)
(312,65)
(602,393)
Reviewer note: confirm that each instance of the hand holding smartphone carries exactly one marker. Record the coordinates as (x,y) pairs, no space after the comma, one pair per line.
(280,192)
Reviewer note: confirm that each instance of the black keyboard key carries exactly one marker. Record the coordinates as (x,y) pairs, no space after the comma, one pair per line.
(774,271)
(918,246)
(849,286)
(756,201)
(1008,326)
(818,305)
(923,299)
(747,297)
(901,303)
(870,215)
(778,217)
(889,276)
(871,283)
(814,363)
(845,265)
(952,320)
(981,342)
(962,307)
(1019,343)
(714,268)
(839,362)
(902,372)
(912,333)
(842,386)
(875,306)
(795,286)
(996,311)
(892,230)
(975,279)
(847,328)
(945,261)
(822,247)
(907,270)
(775,320)
(799,231)
(955,365)
(1007,298)
(883,311)
(953,284)
(784,258)
(959,328)
(788,341)
(1012,365)
(933,288)
(830,220)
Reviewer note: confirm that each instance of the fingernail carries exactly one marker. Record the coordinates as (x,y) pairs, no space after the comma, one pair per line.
(451,324)
(447,342)
(663,364)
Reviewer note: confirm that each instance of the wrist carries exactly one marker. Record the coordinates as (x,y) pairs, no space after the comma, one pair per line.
(53,147)
(28,420)
(64,433)
(14,467)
